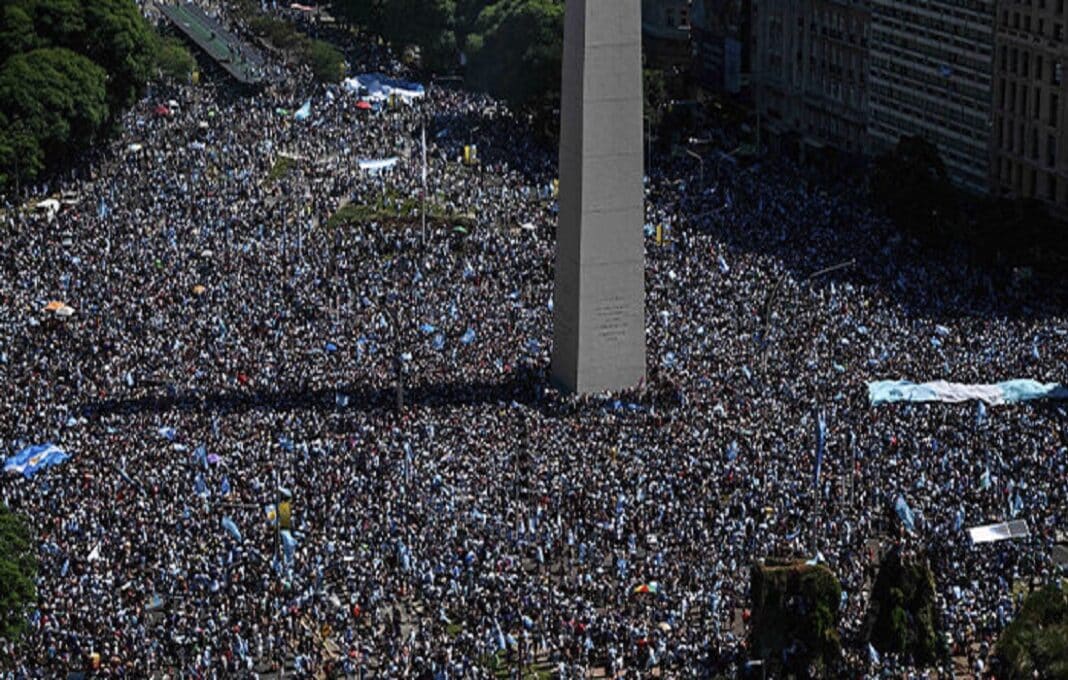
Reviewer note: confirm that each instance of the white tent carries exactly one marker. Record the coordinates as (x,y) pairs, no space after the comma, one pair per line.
(999,532)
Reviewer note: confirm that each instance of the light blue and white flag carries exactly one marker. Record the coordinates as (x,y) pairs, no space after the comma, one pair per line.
(903,510)
(468,336)
(33,459)
(289,545)
(1007,392)
(231,528)
(304,112)
(821,442)
(200,486)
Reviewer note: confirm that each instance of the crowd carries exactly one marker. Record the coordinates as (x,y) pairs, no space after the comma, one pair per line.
(230,350)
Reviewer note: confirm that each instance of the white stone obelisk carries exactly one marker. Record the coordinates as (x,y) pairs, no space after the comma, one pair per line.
(599,295)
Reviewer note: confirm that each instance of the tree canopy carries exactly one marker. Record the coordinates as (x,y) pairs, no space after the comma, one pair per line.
(18,571)
(513,47)
(515,50)
(901,617)
(795,617)
(1035,644)
(67,69)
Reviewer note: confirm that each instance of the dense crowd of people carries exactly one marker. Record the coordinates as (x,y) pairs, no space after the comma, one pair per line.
(231,349)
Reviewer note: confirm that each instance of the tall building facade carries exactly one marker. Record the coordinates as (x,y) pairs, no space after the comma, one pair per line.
(720,35)
(810,68)
(1030,144)
(666,32)
(931,75)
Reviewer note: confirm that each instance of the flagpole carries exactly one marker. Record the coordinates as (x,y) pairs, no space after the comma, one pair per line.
(423,208)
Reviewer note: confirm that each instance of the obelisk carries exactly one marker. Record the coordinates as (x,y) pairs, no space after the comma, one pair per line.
(599,295)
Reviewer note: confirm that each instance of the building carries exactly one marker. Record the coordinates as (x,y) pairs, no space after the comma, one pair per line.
(930,75)
(810,65)
(720,37)
(666,33)
(1029,124)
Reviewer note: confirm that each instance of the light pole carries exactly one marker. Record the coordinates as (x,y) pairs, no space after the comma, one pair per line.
(701,160)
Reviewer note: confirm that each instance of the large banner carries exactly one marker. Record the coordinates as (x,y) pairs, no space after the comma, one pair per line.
(1008,392)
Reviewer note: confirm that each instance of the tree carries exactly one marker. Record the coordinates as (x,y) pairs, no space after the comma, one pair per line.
(912,184)
(901,617)
(366,14)
(326,61)
(123,44)
(18,572)
(516,49)
(1035,644)
(21,156)
(174,60)
(16,31)
(60,96)
(795,616)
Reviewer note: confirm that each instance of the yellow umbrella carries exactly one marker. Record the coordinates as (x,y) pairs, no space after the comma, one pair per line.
(199,289)
(54,305)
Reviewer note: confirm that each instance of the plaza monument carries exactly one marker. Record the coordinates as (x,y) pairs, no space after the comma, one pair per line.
(599,295)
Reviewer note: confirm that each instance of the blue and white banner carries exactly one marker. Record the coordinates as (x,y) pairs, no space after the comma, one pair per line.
(377,87)
(378,165)
(1008,392)
(33,459)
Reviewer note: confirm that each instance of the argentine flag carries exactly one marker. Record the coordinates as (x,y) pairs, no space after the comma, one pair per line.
(304,112)
(30,460)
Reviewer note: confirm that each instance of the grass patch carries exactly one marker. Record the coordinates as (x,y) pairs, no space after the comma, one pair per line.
(394,212)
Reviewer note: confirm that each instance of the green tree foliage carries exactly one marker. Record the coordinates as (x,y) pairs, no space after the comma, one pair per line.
(913,186)
(795,610)
(174,60)
(366,14)
(326,61)
(67,68)
(121,41)
(59,96)
(1035,644)
(16,31)
(515,50)
(901,617)
(18,571)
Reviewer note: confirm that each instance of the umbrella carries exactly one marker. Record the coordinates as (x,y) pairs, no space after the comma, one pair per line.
(652,587)
(362,105)
(199,289)
(664,626)
(65,311)
(460,230)
(54,306)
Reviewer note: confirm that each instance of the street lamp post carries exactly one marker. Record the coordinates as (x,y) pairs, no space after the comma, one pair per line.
(701,160)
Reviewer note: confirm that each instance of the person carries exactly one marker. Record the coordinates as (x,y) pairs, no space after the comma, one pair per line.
(216,301)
